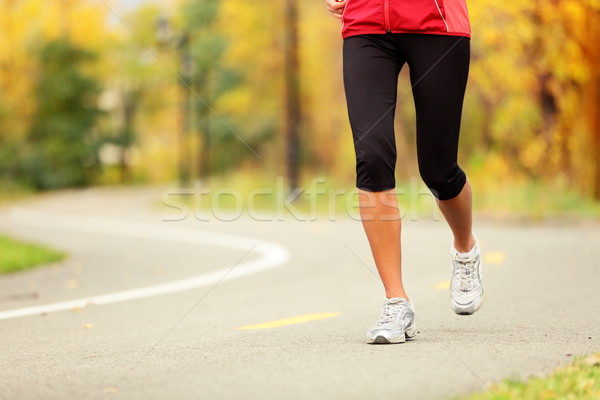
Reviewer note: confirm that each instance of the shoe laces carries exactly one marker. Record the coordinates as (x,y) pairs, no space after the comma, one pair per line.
(465,273)
(390,312)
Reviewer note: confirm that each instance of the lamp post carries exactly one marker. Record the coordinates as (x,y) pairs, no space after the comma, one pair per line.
(181,42)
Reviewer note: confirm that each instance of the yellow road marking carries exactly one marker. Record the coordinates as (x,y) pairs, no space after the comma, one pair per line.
(496,257)
(290,321)
(443,285)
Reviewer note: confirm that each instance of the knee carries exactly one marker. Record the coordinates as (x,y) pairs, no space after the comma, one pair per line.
(443,183)
(374,171)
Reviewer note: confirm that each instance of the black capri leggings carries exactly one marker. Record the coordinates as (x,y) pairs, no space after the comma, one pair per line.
(439,66)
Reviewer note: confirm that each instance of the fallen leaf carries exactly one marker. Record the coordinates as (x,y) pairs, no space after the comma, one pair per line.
(88,326)
(72,284)
(593,360)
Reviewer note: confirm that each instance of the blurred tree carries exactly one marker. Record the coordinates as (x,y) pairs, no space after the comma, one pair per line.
(219,145)
(292,93)
(254,52)
(590,37)
(140,74)
(126,133)
(25,24)
(532,110)
(15,64)
(326,140)
(61,145)
(532,64)
(180,41)
(132,80)
(9,148)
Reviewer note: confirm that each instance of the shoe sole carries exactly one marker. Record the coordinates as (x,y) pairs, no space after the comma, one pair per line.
(464,310)
(409,334)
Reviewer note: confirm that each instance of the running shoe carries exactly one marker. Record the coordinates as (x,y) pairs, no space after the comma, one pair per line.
(396,323)
(466,286)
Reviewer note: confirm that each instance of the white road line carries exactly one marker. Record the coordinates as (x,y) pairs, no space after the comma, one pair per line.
(273,255)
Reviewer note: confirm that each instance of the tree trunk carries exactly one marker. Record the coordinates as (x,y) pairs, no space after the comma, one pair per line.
(204,131)
(593,96)
(185,112)
(129,111)
(292,96)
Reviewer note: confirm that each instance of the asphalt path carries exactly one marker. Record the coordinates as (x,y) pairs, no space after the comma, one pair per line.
(150,308)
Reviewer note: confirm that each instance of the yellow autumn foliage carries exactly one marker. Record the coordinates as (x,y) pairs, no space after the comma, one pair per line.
(530,110)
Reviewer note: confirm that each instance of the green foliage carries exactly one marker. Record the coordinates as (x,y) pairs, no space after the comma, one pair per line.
(17,256)
(220,147)
(530,118)
(60,144)
(581,380)
(200,14)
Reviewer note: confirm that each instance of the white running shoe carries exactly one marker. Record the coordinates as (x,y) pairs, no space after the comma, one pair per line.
(466,286)
(396,323)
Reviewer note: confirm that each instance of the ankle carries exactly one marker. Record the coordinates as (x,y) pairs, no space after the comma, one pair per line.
(391,294)
(465,246)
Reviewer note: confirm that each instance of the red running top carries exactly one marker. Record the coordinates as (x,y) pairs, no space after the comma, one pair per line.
(439,17)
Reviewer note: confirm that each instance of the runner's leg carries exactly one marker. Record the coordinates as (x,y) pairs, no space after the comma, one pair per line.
(439,67)
(371,68)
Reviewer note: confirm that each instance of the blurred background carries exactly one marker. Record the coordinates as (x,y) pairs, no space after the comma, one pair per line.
(135,100)
(237,93)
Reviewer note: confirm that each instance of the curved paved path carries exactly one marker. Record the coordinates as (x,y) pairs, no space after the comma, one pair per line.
(291,332)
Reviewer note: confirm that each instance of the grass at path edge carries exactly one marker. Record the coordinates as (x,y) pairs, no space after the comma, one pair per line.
(579,380)
(16,255)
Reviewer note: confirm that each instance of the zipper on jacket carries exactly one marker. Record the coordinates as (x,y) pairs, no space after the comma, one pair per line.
(441,15)
(386,14)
